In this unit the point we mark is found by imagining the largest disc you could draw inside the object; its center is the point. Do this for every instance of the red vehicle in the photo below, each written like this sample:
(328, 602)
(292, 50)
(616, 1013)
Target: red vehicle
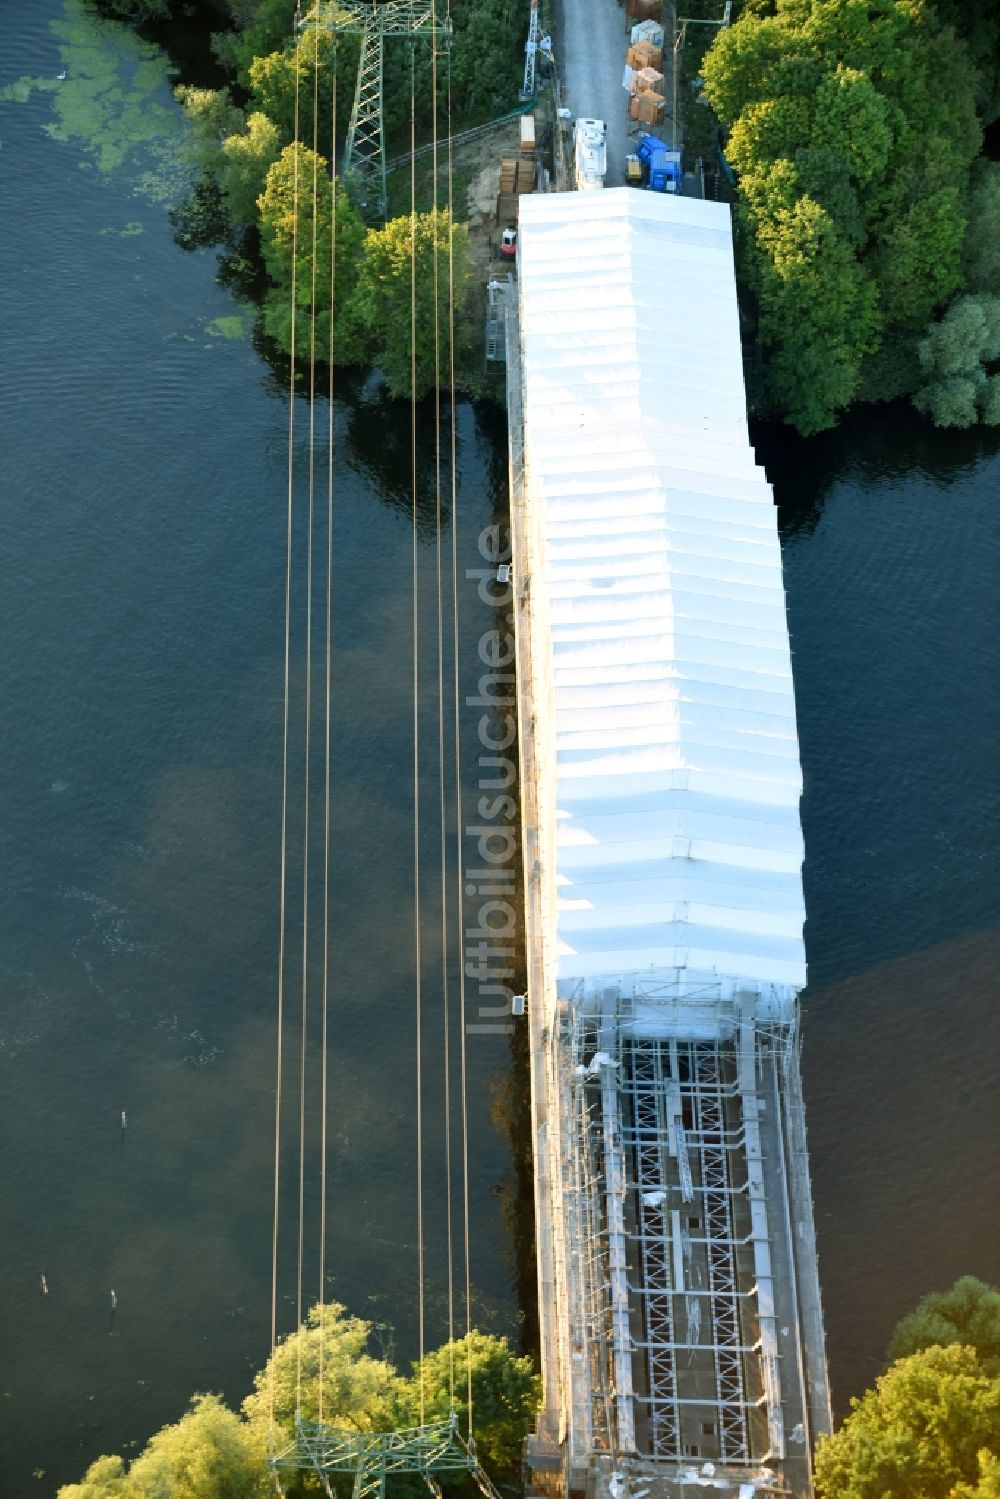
(508, 244)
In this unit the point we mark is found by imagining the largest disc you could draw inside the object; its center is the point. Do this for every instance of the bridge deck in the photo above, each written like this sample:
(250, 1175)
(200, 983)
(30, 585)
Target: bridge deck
(682, 1339)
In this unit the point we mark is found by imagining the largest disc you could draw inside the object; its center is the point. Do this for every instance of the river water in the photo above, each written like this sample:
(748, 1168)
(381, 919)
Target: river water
(143, 522)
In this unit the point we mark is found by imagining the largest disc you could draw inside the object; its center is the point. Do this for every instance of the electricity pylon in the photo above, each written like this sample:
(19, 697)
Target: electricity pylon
(530, 48)
(369, 1457)
(373, 21)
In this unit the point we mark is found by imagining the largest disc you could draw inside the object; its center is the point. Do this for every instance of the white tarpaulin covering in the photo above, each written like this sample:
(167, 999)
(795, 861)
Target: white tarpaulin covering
(657, 585)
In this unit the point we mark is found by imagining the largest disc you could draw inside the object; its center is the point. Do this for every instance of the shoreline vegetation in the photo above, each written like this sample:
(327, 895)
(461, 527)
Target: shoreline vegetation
(866, 218)
(929, 1428)
(329, 1366)
(265, 192)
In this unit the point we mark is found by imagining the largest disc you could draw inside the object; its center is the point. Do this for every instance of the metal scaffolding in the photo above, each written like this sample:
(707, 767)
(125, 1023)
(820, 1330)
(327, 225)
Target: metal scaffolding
(649, 1135)
(708, 1110)
(673, 1325)
(595, 1331)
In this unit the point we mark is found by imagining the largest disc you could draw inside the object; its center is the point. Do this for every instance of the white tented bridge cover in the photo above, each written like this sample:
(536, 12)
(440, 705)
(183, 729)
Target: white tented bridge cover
(661, 644)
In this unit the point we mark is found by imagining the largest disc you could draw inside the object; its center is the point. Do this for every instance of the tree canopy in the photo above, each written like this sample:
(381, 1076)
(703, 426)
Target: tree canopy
(303, 215)
(955, 358)
(401, 303)
(208, 1454)
(930, 1429)
(918, 1434)
(505, 1395)
(356, 1387)
(968, 1313)
(212, 1453)
(269, 178)
(852, 126)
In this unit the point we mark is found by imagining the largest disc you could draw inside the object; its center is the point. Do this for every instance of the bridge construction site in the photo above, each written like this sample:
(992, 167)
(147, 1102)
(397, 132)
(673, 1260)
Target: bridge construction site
(681, 1330)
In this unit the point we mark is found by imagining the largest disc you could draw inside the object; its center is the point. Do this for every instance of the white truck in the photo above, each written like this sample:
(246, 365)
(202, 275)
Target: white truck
(591, 155)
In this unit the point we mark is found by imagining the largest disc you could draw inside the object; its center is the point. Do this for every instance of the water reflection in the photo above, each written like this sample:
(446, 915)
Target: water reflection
(884, 445)
(380, 444)
(901, 1106)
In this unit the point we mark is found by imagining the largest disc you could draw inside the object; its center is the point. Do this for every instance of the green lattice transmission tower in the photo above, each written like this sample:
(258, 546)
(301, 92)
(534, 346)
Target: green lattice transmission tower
(431, 1452)
(373, 21)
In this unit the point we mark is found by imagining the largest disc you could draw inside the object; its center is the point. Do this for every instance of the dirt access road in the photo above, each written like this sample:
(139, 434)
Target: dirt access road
(590, 45)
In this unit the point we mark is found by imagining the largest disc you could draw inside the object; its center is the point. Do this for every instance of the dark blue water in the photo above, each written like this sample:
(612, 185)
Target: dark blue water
(142, 595)
(141, 608)
(891, 534)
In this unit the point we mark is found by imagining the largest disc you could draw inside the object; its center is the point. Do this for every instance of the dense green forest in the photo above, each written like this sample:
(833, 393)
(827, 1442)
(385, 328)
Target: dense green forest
(215, 1453)
(868, 221)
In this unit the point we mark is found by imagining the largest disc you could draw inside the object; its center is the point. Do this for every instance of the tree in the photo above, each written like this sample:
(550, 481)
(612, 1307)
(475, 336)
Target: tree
(988, 1486)
(209, 1454)
(212, 116)
(302, 68)
(818, 316)
(981, 250)
(407, 267)
(968, 1313)
(104, 1479)
(918, 1434)
(958, 389)
(356, 1388)
(269, 27)
(950, 402)
(979, 27)
(245, 159)
(918, 262)
(297, 209)
(506, 1393)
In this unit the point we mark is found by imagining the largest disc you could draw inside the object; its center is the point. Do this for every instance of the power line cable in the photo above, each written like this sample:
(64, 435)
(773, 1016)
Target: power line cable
(307, 787)
(328, 722)
(442, 796)
(416, 733)
(275, 1233)
(459, 851)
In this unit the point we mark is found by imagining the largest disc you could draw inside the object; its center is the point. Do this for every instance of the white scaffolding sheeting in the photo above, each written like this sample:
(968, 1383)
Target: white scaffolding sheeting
(671, 734)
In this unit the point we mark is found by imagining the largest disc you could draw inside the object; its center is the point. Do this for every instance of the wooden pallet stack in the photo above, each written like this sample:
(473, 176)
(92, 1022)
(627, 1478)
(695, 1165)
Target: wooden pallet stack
(517, 176)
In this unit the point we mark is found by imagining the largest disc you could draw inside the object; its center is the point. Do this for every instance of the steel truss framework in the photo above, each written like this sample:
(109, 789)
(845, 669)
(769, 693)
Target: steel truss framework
(649, 1136)
(431, 1452)
(676, 1106)
(708, 1107)
(373, 21)
(682, 1135)
(595, 1332)
(530, 48)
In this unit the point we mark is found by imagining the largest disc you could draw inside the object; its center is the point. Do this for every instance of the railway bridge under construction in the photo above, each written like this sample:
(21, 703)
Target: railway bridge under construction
(681, 1326)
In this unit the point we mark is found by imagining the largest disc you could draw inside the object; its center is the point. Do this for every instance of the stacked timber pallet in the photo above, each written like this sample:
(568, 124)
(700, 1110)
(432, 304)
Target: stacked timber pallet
(646, 103)
(648, 31)
(647, 108)
(517, 176)
(644, 55)
(642, 78)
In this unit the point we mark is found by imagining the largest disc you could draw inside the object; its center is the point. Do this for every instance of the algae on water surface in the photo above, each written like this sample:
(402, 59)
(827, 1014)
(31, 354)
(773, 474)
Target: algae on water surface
(113, 102)
(227, 327)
